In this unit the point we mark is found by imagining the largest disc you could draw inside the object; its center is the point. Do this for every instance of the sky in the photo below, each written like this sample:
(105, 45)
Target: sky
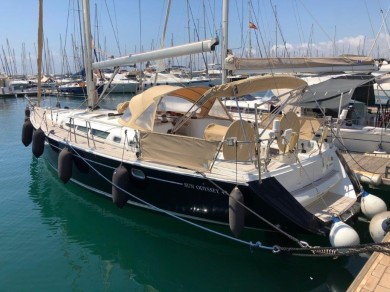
(285, 28)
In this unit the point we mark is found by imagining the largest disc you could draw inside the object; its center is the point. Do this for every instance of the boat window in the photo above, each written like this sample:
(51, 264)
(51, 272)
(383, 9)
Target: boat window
(82, 129)
(126, 114)
(100, 134)
(246, 97)
(117, 139)
(145, 121)
(218, 110)
(69, 125)
(137, 173)
(174, 104)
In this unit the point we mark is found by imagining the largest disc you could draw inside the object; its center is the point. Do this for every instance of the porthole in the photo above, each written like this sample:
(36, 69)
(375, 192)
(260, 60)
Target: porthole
(138, 174)
(117, 139)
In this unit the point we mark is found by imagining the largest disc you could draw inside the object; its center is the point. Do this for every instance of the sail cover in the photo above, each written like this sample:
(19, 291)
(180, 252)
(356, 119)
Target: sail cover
(301, 65)
(337, 91)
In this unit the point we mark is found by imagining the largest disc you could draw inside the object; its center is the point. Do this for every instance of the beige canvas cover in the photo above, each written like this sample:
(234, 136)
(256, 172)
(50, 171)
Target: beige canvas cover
(214, 132)
(141, 104)
(256, 84)
(244, 132)
(175, 150)
(233, 63)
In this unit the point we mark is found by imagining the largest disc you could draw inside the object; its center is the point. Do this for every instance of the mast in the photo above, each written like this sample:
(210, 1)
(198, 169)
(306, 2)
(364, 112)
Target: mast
(189, 33)
(162, 44)
(249, 32)
(91, 90)
(225, 16)
(205, 35)
(81, 30)
(40, 47)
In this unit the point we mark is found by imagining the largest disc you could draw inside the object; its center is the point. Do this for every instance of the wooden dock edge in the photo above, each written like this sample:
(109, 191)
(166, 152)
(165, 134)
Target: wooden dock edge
(375, 274)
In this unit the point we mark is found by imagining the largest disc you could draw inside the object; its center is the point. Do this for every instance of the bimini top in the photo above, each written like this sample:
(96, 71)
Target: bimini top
(255, 84)
(141, 110)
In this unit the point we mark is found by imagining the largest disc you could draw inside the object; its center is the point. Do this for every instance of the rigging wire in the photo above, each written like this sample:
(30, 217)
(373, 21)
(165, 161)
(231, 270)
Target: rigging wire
(298, 22)
(113, 28)
(369, 17)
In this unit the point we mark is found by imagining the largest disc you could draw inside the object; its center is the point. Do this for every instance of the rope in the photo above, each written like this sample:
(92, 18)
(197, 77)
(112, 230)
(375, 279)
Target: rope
(382, 247)
(299, 242)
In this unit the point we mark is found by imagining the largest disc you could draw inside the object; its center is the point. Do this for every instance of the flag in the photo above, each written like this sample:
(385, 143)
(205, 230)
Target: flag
(252, 25)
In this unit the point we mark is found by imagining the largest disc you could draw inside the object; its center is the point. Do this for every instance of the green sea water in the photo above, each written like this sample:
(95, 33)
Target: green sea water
(60, 237)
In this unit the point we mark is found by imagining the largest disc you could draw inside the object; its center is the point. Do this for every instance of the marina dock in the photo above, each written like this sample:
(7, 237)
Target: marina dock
(373, 169)
(375, 275)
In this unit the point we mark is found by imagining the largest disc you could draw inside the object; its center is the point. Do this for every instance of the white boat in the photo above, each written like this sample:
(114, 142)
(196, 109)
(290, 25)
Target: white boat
(163, 78)
(46, 82)
(124, 83)
(18, 84)
(382, 89)
(356, 127)
(250, 103)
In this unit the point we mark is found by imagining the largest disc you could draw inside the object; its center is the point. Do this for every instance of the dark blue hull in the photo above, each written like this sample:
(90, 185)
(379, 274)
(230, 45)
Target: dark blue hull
(191, 196)
(77, 90)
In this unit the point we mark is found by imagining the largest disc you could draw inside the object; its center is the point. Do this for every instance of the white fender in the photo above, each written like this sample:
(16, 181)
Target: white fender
(379, 226)
(372, 205)
(341, 234)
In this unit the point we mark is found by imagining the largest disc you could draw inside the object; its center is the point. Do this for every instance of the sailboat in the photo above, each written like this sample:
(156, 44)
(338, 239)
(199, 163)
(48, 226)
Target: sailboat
(176, 150)
(358, 122)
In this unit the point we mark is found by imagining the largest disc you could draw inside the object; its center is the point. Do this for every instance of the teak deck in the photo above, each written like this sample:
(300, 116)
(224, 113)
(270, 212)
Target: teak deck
(375, 275)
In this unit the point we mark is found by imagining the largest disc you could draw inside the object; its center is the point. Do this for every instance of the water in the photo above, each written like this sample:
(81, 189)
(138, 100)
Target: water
(57, 237)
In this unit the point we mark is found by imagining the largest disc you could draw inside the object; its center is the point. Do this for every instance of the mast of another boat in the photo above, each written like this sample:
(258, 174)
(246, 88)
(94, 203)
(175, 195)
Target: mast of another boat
(162, 44)
(40, 47)
(91, 89)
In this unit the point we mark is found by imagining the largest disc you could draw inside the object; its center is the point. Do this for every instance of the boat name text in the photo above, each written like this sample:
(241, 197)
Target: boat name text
(201, 188)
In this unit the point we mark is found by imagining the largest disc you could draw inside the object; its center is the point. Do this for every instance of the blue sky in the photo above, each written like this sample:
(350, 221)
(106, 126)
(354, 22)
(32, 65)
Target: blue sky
(300, 27)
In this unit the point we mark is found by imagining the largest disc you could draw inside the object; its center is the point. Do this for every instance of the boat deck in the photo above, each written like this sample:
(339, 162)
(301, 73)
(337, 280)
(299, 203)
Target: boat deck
(90, 142)
(375, 275)
(330, 205)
